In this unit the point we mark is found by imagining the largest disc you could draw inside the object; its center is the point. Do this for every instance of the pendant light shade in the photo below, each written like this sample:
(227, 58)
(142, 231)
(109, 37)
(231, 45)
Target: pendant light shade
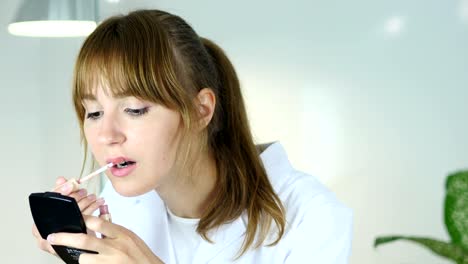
(55, 18)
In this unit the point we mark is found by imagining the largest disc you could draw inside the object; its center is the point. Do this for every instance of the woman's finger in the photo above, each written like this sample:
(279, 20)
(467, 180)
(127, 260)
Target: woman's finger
(102, 226)
(79, 195)
(93, 206)
(60, 180)
(84, 204)
(63, 186)
(77, 240)
(35, 232)
(42, 243)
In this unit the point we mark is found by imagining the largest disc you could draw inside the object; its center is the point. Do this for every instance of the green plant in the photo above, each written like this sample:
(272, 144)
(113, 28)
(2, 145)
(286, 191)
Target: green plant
(456, 222)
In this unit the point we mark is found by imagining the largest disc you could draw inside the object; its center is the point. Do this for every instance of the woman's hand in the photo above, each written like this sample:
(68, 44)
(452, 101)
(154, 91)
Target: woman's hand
(87, 203)
(120, 245)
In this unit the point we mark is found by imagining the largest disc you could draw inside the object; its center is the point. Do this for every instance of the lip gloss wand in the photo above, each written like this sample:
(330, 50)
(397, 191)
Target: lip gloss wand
(76, 183)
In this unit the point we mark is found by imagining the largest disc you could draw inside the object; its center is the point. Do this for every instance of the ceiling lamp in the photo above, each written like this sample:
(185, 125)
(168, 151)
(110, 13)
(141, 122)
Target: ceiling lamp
(55, 18)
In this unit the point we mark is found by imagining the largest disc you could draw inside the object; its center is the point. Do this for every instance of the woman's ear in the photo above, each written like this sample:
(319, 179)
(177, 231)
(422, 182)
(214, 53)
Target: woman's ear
(205, 103)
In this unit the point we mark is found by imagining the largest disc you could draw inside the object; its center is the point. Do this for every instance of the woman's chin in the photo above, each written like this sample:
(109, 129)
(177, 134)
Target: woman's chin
(129, 191)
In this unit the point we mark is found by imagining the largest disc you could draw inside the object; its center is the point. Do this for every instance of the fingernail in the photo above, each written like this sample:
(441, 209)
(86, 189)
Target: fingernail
(50, 238)
(100, 201)
(82, 193)
(66, 187)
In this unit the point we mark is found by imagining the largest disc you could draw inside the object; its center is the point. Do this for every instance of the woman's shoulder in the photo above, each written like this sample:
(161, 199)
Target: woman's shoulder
(318, 225)
(301, 194)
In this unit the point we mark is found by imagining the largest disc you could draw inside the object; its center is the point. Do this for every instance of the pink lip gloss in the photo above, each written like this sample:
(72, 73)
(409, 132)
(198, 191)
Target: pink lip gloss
(104, 214)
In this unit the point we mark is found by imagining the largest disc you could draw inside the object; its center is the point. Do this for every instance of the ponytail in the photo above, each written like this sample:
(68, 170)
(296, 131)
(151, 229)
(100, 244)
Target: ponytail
(243, 184)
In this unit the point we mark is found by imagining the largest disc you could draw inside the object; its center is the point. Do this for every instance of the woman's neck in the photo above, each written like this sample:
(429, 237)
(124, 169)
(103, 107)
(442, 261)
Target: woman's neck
(189, 196)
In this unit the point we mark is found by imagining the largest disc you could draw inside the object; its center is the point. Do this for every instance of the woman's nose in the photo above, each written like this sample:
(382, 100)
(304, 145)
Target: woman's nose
(111, 133)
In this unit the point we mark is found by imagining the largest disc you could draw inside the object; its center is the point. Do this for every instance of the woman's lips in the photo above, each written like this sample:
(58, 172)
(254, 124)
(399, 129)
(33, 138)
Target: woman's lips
(129, 166)
(118, 160)
(122, 172)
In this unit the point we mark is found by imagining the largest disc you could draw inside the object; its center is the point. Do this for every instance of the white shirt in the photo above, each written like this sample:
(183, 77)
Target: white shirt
(185, 239)
(318, 230)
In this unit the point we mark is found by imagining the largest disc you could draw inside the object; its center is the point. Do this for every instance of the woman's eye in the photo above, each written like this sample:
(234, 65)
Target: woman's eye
(94, 115)
(136, 112)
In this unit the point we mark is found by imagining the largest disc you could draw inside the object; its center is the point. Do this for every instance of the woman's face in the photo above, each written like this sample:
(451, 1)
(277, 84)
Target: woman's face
(142, 133)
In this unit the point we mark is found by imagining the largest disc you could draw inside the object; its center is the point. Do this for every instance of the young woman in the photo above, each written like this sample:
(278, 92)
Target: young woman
(190, 186)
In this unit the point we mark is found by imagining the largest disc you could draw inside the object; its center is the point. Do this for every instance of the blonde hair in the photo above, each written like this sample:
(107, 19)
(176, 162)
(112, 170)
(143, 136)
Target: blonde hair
(157, 56)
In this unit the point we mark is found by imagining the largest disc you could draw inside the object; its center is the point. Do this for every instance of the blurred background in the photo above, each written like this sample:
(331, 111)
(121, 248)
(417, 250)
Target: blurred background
(368, 96)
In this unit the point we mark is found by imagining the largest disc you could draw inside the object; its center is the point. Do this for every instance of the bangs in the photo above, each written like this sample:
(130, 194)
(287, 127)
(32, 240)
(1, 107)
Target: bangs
(105, 70)
(116, 59)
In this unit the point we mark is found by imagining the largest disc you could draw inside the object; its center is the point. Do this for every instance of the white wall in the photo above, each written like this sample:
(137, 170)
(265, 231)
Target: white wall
(37, 142)
(377, 116)
(20, 140)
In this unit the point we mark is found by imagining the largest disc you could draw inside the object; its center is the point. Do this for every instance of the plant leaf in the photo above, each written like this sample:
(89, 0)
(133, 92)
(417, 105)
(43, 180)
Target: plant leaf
(456, 208)
(441, 248)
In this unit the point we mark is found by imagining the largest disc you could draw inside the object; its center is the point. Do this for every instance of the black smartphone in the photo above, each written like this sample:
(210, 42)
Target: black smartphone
(53, 213)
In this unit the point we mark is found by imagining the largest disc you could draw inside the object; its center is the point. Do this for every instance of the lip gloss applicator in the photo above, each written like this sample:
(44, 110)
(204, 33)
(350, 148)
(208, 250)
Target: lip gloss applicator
(105, 215)
(76, 183)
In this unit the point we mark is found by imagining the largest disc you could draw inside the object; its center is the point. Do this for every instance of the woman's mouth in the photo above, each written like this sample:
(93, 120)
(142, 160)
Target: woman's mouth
(122, 166)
